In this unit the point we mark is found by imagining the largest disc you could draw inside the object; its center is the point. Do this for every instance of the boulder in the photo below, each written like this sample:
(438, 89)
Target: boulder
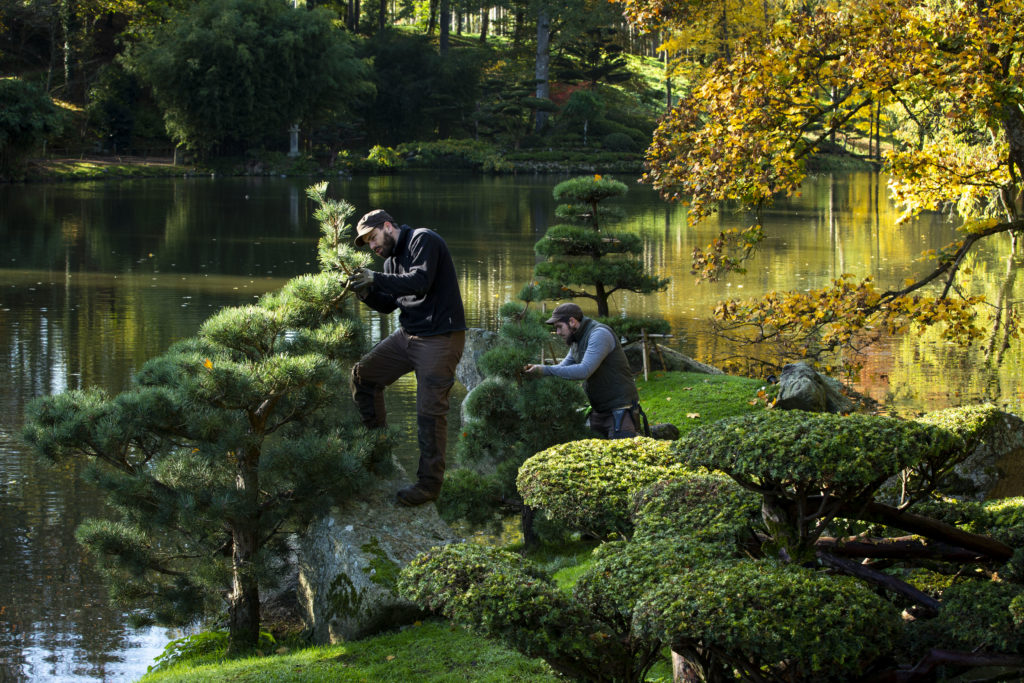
(663, 358)
(478, 342)
(994, 466)
(665, 431)
(349, 562)
(1005, 449)
(802, 388)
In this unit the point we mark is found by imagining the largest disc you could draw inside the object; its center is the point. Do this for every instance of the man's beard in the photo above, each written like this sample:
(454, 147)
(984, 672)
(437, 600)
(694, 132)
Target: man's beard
(387, 245)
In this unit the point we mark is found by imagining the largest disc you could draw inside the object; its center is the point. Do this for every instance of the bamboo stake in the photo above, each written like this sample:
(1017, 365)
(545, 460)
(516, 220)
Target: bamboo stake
(643, 337)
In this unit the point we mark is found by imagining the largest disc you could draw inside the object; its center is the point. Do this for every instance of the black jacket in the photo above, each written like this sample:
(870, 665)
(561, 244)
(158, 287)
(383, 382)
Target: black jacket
(419, 278)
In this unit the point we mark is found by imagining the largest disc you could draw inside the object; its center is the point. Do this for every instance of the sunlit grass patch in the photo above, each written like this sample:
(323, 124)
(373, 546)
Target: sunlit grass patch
(689, 399)
(431, 651)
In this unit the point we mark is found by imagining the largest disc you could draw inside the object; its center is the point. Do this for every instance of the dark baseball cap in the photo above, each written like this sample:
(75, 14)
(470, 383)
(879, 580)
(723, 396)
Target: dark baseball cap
(366, 224)
(563, 312)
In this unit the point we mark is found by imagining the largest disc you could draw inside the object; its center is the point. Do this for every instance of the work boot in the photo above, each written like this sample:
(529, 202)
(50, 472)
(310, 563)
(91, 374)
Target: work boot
(432, 436)
(414, 495)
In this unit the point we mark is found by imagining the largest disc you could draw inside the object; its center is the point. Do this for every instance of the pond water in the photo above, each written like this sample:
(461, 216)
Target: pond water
(96, 278)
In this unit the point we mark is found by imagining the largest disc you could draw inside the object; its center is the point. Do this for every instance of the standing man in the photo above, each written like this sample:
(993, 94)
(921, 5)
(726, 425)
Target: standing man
(419, 279)
(596, 357)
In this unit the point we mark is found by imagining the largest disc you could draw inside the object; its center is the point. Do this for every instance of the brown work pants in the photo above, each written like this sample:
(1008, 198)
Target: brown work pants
(434, 360)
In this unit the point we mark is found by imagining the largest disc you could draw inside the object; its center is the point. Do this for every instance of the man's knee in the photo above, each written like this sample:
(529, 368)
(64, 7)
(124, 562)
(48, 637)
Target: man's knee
(432, 394)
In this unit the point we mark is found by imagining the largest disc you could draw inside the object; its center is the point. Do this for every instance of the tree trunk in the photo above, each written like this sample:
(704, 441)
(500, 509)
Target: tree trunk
(382, 16)
(445, 24)
(602, 299)
(485, 24)
(725, 51)
(682, 671)
(244, 608)
(543, 64)
(432, 20)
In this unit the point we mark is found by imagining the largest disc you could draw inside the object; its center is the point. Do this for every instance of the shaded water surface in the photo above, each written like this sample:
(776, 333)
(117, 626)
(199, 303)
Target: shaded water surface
(96, 278)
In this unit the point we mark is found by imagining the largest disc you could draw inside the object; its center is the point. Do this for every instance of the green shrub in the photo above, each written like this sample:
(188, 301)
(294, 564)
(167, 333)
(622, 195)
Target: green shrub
(705, 508)
(589, 485)
(451, 154)
(767, 619)
(470, 496)
(384, 158)
(619, 142)
(27, 116)
(1001, 518)
(975, 616)
(623, 572)
(798, 451)
(503, 596)
(510, 417)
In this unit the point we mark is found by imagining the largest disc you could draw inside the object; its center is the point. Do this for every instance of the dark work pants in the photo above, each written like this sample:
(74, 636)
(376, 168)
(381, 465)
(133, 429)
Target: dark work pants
(603, 425)
(433, 359)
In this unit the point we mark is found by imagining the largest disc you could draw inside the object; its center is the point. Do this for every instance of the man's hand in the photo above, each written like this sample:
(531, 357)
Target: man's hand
(530, 369)
(361, 279)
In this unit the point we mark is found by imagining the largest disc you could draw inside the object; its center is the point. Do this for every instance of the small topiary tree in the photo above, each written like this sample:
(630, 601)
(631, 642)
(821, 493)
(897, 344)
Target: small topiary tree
(589, 485)
(223, 445)
(508, 420)
(765, 567)
(581, 252)
(764, 620)
(587, 633)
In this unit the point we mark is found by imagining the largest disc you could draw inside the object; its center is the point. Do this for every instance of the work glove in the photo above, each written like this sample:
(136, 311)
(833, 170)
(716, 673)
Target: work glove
(361, 279)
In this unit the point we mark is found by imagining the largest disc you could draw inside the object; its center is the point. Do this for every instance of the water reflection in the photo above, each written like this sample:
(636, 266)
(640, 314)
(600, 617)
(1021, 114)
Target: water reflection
(98, 278)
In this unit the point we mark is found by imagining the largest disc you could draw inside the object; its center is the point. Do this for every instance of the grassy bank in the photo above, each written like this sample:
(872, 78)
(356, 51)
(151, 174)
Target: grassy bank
(486, 160)
(436, 650)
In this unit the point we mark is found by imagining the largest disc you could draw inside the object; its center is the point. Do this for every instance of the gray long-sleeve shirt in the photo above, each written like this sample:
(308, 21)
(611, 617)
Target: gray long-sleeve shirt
(601, 344)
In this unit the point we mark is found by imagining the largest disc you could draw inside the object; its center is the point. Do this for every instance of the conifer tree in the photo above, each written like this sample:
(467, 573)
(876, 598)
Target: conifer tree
(222, 445)
(508, 419)
(582, 253)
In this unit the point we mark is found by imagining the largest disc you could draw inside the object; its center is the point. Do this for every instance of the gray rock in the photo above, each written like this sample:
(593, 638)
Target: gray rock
(995, 466)
(665, 431)
(802, 388)
(349, 563)
(673, 360)
(478, 342)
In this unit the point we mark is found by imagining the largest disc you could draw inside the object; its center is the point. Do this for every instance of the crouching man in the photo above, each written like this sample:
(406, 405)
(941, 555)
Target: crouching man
(596, 357)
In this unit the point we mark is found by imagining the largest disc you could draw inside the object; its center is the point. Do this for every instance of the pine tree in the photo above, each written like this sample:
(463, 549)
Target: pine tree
(509, 418)
(223, 445)
(581, 252)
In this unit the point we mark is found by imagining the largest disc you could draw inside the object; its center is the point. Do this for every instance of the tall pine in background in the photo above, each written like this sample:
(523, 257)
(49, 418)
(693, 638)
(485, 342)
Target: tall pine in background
(223, 445)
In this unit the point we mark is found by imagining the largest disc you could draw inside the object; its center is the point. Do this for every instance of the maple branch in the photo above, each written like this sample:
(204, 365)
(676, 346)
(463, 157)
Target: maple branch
(953, 264)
